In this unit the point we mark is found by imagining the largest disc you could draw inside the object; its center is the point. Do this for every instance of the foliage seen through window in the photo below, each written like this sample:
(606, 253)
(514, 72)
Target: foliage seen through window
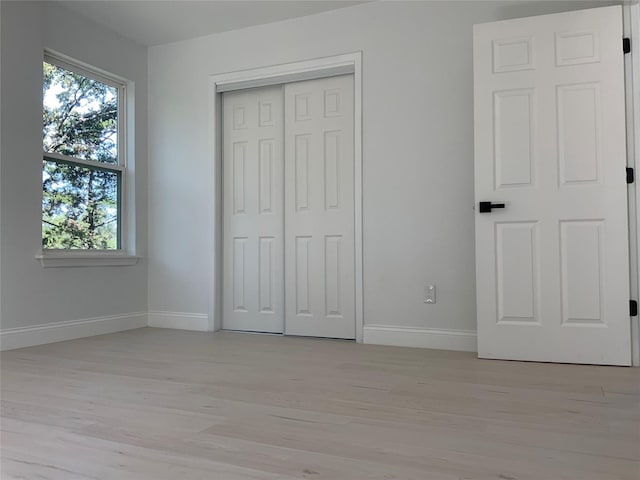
(82, 179)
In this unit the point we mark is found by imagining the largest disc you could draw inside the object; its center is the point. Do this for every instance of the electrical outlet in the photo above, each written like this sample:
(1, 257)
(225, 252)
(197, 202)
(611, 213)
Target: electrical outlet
(430, 294)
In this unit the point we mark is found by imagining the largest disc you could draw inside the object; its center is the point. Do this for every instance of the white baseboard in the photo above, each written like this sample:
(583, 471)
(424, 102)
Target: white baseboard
(58, 332)
(179, 320)
(461, 340)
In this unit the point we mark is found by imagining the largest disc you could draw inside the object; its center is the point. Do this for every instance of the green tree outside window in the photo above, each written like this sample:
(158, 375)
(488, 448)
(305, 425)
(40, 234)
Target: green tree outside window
(81, 170)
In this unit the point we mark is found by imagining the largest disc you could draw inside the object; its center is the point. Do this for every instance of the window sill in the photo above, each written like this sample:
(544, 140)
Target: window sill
(57, 258)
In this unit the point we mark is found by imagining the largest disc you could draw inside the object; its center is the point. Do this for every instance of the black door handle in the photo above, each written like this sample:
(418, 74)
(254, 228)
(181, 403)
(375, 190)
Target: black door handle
(486, 207)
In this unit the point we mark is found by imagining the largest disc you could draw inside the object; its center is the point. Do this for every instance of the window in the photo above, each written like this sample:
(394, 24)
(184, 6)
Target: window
(83, 160)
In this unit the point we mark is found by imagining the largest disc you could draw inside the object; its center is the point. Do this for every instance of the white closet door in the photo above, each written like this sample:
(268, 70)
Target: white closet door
(253, 210)
(552, 264)
(319, 208)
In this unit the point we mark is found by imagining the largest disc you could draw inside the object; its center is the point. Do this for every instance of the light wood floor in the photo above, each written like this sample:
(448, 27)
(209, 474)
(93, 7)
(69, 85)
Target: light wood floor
(161, 404)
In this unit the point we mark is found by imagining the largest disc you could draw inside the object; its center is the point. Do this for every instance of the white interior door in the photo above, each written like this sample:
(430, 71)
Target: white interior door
(253, 210)
(319, 208)
(552, 265)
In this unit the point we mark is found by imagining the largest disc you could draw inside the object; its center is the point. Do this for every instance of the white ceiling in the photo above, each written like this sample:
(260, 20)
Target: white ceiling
(153, 22)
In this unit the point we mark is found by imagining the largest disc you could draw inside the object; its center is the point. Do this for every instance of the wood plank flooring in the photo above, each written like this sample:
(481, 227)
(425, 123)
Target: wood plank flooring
(164, 404)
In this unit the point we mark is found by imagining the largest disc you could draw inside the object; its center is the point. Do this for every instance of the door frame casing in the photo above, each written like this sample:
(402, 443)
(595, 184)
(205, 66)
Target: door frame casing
(215, 153)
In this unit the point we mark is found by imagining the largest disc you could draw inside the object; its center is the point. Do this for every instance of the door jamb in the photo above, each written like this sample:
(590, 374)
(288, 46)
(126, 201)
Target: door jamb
(631, 25)
(215, 153)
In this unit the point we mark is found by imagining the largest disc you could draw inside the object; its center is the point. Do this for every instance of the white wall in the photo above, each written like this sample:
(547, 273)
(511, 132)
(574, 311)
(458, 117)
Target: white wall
(417, 149)
(33, 295)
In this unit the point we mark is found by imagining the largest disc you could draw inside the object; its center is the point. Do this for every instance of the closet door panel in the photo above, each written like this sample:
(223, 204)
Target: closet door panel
(253, 218)
(319, 208)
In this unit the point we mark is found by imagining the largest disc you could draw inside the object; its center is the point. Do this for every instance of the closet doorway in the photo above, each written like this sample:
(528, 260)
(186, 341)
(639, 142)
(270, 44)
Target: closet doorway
(289, 262)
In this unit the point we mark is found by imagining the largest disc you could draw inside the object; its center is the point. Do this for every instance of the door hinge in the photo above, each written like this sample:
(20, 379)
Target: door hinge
(633, 308)
(630, 175)
(626, 45)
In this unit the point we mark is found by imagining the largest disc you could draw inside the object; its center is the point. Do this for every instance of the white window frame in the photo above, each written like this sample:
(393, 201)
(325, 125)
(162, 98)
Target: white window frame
(124, 255)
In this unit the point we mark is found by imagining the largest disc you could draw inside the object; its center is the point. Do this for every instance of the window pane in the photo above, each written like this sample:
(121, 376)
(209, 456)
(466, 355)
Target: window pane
(80, 116)
(80, 207)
